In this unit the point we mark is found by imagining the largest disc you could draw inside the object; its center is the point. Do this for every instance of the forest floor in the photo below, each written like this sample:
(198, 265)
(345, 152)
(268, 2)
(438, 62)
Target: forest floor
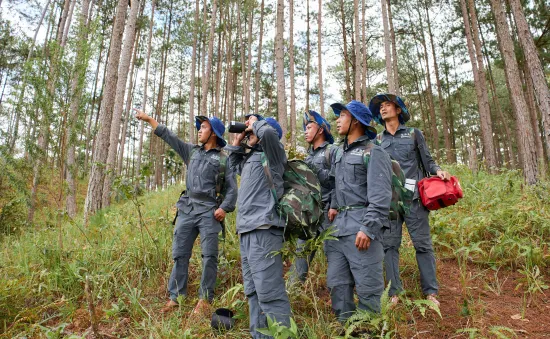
(492, 269)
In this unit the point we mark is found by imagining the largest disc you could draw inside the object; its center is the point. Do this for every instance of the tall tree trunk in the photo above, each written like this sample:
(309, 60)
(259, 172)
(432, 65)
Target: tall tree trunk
(192, 77)
(125, 59)
(308, 57)
(246, 87)
(258, 62)
(292, 92)
(533, 113)
(206, 74)
(472, 37)
(81, 63)
(221, 42)
(364, 53)
(97, 176)
(442, 112)
(387, 47)
(535, 68)
(129, 97)
(319, 57)
(394, 51)
(144, 102)
(526, 139)
(433, 124)
(358, 59)
(280, 66)
(346, 56)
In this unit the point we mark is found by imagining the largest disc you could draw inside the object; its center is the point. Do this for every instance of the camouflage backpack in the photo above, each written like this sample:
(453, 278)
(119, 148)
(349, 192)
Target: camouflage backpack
(401, 197)
(301, 203)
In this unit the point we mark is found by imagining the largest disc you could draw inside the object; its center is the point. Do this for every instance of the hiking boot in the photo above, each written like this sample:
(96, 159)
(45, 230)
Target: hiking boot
(433, 298)
(169, 306)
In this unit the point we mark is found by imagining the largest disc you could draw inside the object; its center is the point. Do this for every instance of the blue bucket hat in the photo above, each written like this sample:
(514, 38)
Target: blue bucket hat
(217, 127)
(256, 115)
(273, 123)
(319, 120)
(359, 112)
(375, 103)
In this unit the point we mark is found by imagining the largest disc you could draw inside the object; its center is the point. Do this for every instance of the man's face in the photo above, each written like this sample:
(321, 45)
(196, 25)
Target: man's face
(312, 129)
(389, 110)
(252, 138)
(343, 122)
(205, 132)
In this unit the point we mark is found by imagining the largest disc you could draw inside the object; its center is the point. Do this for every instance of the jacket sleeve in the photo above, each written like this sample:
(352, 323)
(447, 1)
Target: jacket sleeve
(423, 149)
(271, 145)
(379, 193)
(332, 177)
(181, 147)
(236, 157)
(230, 198)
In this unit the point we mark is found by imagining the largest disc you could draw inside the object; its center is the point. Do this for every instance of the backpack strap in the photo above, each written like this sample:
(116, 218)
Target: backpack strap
(267, 172)
(379, 139)
(220, 177)
(327, 155)
(420, 156)
(366, 154)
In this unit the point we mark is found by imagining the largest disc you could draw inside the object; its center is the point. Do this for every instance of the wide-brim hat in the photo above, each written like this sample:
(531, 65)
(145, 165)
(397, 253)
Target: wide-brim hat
(312, 116)
(222, 319)
(256, 115)
(217, 127)
(359, 112)
(375, 103)
(273, 123)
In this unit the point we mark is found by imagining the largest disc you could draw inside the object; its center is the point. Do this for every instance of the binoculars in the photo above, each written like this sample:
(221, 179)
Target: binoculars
(237, 127)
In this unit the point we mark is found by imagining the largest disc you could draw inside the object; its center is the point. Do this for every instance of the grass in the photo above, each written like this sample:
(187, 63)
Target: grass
(499, 225)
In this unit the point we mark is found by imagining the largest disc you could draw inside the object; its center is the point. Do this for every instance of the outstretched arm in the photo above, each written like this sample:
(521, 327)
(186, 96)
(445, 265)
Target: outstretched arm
(182, 148)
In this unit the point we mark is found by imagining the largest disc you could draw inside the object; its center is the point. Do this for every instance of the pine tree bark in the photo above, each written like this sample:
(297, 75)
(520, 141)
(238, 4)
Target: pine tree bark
(280, 69)
(387, 47)
(346, 55)
(308, 57)
(144, 102)
(476, 59)
(358, 59)
(292, 91)
(206, 74)
(192, 77)
(526, 135)
(429, 93)
(259, 61)
(535, 68)
(77, 85)
(124, 68)
(394, 51)
(246, 88)
(319, 57)
(442, 111)
(93, 200)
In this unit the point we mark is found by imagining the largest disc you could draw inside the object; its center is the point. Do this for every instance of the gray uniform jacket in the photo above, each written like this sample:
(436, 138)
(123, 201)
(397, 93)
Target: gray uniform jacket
(401, 147)
(362, 195)
(202, 170)
(256, 203)
(317, 158)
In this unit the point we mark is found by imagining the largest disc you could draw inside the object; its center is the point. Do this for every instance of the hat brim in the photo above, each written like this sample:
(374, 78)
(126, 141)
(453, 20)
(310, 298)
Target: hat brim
(369, 130)
(198, 121)
(374, 106)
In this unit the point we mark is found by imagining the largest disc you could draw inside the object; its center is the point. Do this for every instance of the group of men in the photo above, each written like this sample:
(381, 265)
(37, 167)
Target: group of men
(356, 198)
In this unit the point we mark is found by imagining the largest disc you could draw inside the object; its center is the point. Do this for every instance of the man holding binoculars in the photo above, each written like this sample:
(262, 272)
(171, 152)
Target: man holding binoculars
(211, 192)
(261, 163)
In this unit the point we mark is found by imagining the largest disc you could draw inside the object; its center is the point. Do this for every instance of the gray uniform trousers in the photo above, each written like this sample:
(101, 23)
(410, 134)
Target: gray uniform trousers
(419, 229)
(188, 227)
(300, 267)
(264, 285)
(349, 267)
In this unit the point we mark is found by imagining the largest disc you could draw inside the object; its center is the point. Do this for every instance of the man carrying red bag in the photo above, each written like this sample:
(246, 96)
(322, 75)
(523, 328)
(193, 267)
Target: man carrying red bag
(407, 146)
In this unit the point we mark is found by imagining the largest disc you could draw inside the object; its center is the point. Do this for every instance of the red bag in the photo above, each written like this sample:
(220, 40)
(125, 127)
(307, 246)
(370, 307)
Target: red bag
(436, 193)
